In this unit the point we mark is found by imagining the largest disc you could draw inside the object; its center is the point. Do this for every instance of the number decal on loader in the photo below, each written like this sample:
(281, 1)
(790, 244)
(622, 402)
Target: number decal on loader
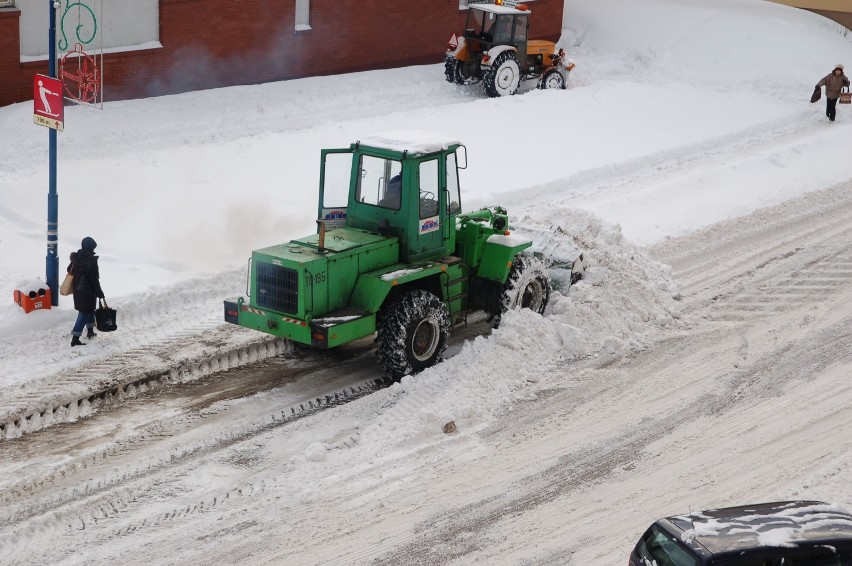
(315, 278)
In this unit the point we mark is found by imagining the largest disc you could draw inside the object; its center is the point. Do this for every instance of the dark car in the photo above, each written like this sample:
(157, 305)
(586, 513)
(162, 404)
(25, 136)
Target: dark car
(791, 533)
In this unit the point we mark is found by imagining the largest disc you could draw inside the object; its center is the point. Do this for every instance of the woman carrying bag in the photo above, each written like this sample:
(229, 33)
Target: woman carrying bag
(833, 83)
(87, 289)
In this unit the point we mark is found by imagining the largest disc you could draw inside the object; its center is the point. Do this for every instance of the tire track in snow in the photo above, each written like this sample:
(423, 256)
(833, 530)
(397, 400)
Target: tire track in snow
(632, 176)
(747, 384)
(765, 377)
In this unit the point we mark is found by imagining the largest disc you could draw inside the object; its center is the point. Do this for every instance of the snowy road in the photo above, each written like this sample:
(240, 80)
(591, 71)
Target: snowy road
(732, 406)
(709, 369)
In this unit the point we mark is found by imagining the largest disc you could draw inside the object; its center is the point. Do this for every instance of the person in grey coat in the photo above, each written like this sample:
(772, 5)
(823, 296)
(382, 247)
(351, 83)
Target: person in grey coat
(87, 289)
(833, 83)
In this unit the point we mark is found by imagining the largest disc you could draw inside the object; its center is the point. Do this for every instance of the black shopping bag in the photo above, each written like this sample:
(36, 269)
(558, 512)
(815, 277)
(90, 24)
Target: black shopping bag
(816, 95)
(105, 317)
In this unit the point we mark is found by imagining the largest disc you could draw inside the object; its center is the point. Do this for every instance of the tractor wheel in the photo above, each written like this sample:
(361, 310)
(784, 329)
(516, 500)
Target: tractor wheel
(504, 76)
(451, 70)
(461, 72)
(527, 287)
(412, 333)
(552, 79)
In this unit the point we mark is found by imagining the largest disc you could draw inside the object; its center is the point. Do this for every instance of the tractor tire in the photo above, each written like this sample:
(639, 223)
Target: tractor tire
(412, 333)
(527, 287)
(504, 76)
(552, 79)
(461, 72)
(451, 70)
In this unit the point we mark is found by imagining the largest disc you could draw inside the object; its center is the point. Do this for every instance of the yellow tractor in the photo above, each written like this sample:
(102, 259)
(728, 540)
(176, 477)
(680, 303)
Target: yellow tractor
(495, 50)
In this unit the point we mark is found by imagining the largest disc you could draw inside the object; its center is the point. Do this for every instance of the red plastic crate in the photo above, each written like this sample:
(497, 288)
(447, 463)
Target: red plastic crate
(30, 304)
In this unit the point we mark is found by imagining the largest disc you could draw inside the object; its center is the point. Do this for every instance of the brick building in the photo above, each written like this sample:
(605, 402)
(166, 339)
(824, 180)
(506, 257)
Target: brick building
(162, 47)
(838, 10)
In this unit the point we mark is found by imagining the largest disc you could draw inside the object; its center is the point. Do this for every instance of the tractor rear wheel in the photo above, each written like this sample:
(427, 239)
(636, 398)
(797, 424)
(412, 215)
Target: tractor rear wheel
(527, 287)
(451, 70)
(462, 72)
(504, 76)
(412, 333)
(552, 79)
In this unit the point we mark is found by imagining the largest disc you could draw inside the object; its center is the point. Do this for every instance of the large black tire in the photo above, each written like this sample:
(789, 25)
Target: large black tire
(527, 287)
(504, 76)
(461, 72)
(552, 79)
(412, 333)
(451, 70)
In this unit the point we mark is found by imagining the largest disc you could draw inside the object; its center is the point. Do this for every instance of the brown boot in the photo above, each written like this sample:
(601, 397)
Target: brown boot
(75, 341)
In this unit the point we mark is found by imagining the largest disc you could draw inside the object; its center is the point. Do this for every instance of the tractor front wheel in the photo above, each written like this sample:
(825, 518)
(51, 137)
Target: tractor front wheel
(504, 76)
(412, 333)
(552, 79)
(527, 287)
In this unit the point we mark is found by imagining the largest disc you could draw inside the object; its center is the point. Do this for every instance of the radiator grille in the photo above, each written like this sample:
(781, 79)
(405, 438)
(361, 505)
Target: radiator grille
(277, 288)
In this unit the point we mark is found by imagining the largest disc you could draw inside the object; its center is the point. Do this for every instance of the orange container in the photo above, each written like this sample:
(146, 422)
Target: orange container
(30, 304)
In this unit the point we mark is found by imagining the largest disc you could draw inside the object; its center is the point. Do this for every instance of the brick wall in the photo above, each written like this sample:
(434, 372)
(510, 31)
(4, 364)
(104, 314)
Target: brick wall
(214, 43)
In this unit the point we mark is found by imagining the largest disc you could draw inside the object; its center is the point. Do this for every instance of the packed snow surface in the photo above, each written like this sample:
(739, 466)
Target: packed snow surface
(678, 116)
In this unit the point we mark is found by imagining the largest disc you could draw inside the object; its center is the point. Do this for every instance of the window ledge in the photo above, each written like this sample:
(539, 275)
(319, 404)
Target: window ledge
(303, 27)
(122, 49)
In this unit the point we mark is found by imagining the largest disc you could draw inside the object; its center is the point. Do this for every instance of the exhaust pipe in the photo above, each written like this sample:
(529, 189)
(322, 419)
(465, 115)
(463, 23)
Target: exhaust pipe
(321, 241)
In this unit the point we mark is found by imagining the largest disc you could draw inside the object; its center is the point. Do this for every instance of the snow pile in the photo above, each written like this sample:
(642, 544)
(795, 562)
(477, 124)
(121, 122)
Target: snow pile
(703, 43)
(624, 301)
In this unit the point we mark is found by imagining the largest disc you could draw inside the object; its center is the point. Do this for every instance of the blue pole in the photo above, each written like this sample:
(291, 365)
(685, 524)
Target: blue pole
(52, 260)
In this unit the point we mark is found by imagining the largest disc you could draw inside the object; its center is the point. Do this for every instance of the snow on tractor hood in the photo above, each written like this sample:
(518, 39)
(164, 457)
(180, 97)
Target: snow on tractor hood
(510, 241)
(413, 141)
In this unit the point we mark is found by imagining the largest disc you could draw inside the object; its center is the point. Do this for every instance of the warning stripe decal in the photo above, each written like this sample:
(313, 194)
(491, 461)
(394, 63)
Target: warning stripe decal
(284, 318)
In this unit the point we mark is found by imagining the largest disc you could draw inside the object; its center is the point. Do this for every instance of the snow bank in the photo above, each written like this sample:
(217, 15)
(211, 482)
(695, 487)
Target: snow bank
(625, 300)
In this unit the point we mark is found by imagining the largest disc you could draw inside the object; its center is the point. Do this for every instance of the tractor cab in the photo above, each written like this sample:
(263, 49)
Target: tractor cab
(489, 25)
(403, 185)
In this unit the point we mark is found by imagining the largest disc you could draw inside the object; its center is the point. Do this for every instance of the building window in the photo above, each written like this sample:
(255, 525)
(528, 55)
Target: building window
(7, 3)
(303, 15)
(100, 26)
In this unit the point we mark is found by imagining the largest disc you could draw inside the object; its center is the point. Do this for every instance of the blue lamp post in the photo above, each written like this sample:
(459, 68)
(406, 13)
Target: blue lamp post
(52, 260)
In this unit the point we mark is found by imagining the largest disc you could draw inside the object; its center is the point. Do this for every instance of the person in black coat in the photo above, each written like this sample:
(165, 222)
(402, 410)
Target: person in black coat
(87, 289)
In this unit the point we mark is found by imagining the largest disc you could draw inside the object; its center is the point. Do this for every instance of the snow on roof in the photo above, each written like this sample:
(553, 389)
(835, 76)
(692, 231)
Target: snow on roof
(497, 9)
(772, 524)
(412, 141)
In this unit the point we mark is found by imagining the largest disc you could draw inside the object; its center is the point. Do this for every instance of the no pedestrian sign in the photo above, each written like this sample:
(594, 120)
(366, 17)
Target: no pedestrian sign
(48, 109)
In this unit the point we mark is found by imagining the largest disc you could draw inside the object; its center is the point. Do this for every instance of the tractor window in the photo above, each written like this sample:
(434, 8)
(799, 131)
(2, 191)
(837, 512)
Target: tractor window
(488, 25)
(337, 167)
(502, 31)
(429, 188)
(520, 28)
(474, 21)
(453, 199)
(380, 182)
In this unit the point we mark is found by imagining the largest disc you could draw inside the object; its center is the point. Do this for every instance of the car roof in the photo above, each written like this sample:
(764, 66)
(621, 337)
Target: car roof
(785, 523)
(493, 8)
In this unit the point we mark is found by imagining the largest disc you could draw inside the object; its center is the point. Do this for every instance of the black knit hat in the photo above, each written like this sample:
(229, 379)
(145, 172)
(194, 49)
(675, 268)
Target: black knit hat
(89, 243)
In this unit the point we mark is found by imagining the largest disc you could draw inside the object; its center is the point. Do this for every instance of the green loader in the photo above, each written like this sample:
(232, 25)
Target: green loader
(393, 256)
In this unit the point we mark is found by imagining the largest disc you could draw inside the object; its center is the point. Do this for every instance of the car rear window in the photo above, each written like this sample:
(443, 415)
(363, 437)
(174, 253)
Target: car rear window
(658, 548)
